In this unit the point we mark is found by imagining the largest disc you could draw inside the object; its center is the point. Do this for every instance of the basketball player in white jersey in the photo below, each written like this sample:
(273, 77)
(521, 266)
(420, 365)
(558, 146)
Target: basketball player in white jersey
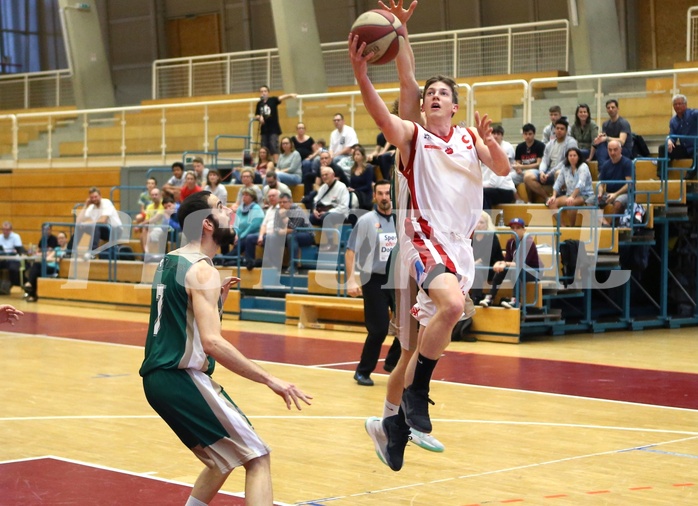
(440, 165)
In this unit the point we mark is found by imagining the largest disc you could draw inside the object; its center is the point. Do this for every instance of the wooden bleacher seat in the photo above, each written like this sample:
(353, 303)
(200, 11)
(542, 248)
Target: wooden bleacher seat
(329, 313)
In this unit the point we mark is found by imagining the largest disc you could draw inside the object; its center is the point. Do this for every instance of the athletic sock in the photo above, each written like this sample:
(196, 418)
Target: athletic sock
(193, 501)
(390, 409)
(422, 373)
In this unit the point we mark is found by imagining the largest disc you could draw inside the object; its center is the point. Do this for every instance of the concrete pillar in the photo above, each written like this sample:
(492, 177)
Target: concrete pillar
(92, 84)
(597, 45)
(298, 41)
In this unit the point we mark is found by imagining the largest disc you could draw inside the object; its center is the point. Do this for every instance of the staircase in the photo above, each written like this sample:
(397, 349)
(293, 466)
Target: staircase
(266, 302)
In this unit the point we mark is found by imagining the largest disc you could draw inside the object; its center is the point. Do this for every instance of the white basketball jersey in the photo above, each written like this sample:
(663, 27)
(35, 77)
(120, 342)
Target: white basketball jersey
(445, 187)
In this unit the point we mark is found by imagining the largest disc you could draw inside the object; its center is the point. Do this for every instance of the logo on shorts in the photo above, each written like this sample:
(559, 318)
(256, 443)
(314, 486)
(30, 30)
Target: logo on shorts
(449, 150)
(414, 311)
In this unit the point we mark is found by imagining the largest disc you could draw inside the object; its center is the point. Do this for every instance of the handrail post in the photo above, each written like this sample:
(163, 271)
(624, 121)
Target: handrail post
(191, 77)
(123, 137)
(85, 125)
(26, 91)
(163, 144)
(206, 127)
(49, 139)
(154, 78)
(509, 50)
(58, 90)
(15, 139)
(455, 54)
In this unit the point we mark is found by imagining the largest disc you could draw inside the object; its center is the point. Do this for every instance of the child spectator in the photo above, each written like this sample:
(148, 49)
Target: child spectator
(501, 268)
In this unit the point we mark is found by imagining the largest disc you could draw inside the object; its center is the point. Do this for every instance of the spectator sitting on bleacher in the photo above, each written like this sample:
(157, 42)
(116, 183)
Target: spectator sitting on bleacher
(258, 238)
(616, 128)
(342, 139)
(361, 179)
(144, 199)
(247, 178)
(575, 181)
(264, 163)
(617, 168)
(502, 267)
(486, 251)
(272, 183)
(584, 130)
(200, 170)
(383, 157)
(685, 122)
(10, 244)
(213, 184)
(553, 160)
(288, 167)
(190, 186)
(528, 156)
(53, 255)
(498, 189)
(332, 198)
(155, 245)
(311, 166)
(93, 217)
(289, 218)
(174, 184)
(151, 211)
(303, 143)
(248, 217)
(555, 113)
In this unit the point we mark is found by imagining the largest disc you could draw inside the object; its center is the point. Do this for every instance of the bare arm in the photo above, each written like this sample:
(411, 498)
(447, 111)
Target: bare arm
(353, 289)
(398, 132)
(204, 287)
(287, 95)
(410, 94)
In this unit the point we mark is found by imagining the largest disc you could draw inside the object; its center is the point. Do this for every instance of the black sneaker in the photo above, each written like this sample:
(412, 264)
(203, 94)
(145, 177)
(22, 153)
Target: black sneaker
(364, 381)
(415, 404)
(398, 436)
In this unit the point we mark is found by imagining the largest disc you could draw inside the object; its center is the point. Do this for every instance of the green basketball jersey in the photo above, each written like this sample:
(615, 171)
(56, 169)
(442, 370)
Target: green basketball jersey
(173, 340)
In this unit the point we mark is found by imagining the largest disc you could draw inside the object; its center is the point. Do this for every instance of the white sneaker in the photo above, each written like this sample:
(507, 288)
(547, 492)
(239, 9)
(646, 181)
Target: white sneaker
(426, 441)
(486, 301)
(374, 428)
(509, 304)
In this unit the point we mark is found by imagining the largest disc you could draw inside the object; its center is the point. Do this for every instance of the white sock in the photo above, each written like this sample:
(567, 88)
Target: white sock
(193, 501)
(390, 409)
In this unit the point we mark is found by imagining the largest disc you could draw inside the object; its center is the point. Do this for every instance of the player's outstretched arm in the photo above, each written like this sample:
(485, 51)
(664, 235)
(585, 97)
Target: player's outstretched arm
(488, 149)
(410, 94)
(204, 287)
(396, 131)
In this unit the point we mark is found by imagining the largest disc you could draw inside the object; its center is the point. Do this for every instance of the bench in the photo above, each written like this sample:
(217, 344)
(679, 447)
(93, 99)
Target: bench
(327, 313)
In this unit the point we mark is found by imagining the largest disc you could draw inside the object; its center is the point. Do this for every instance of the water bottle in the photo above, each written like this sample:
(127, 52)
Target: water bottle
(500, 219)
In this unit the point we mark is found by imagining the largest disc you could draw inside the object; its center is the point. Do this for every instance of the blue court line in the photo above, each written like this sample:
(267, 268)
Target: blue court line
(675, 454)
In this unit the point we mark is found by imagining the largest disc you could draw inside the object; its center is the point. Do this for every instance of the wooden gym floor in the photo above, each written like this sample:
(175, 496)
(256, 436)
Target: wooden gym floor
(606, 419)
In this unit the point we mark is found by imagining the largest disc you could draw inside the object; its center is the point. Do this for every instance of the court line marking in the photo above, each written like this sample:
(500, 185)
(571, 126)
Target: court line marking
(497, 471)
(691, 434)
(322, 368)
(147, 475)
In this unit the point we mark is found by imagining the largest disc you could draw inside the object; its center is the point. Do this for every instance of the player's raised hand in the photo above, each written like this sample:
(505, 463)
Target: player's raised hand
(484, 127)
(359, 60)
(398, 11)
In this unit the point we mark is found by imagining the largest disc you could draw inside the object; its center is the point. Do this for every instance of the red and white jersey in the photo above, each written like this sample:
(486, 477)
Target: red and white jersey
(445, 187)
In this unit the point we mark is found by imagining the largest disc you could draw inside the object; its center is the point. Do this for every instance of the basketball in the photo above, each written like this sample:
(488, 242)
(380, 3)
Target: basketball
(382, 32)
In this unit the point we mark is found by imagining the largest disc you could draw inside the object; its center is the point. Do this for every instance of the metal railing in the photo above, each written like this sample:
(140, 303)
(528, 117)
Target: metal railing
(499, 50)
(692, 34)
(37, 89)
(595, 89)
(152, 132)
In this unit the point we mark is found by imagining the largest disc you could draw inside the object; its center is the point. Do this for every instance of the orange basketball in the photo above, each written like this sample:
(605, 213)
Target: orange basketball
(382, 32)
